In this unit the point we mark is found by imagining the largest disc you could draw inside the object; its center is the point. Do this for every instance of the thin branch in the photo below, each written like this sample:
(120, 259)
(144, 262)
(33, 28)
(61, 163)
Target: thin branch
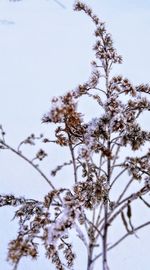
(136, 195)
(99, 170)
(29, 162)
(73, 158)
(124, 191)
(144, 201)
(93, 217)
(115, 139)
(100, 163)
(115, 157)
(60, 4)
(91, 223)
(122, 238)
(98, 89)
(16, 265)
(128, 199)
(81, 235)
(128, 234)
(99, 214)
(105, 228)
(118, 175)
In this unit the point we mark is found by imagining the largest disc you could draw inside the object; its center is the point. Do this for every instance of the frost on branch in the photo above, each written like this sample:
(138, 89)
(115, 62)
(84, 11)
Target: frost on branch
(87, 208)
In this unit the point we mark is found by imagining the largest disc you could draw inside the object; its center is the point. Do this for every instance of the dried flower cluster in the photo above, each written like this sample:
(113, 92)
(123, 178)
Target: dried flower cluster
(86, 206)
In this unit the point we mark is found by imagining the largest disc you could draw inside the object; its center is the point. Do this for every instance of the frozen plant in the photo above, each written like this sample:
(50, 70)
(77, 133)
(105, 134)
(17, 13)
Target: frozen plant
(96, 150)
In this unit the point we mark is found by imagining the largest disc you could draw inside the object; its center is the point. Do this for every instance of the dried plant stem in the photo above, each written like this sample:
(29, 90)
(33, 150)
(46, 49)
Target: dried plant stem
(105, 229)
(96, 229)
(74, 163)
(105, 238)
(16, 265)
(73, 157)
(29, 162)
(128, 199)
(60, 4)
(124, 191)
(100, 163)
(136, 195)
(90, 253)
(111, 215)
(118, 175)
(128, 234)
(122, 238)
(131, 198)
(99, 215)
(115, 157)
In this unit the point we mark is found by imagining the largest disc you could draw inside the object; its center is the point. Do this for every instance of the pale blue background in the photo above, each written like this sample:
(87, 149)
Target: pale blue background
(45, 51)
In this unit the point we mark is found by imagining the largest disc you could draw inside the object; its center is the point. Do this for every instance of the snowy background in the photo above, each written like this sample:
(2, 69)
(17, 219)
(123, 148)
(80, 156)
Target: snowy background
(46, 50)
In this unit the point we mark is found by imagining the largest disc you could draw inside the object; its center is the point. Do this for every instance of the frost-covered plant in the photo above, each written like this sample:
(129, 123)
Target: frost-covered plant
(96, 147)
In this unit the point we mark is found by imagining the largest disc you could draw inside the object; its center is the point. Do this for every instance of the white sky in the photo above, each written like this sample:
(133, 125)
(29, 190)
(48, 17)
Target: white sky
(45, 52)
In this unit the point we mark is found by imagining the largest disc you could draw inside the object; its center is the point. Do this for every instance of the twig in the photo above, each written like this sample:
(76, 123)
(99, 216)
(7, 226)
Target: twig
(99, 89)
(72, 155)
(60, 4)
(128, 199)
(91, 223)
(122, 238)
(136, 195)
(118, 175)
(115, 158)
(124, 191)
(29, 162)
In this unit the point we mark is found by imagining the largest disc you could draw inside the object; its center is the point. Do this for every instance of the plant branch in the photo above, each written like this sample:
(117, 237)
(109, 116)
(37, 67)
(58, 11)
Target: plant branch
(29, 162)
(117, 176)
(124, 191)
(122, 238)
(128, 199)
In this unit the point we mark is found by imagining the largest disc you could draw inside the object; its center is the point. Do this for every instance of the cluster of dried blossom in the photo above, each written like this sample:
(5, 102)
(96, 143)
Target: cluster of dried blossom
(86, 207)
